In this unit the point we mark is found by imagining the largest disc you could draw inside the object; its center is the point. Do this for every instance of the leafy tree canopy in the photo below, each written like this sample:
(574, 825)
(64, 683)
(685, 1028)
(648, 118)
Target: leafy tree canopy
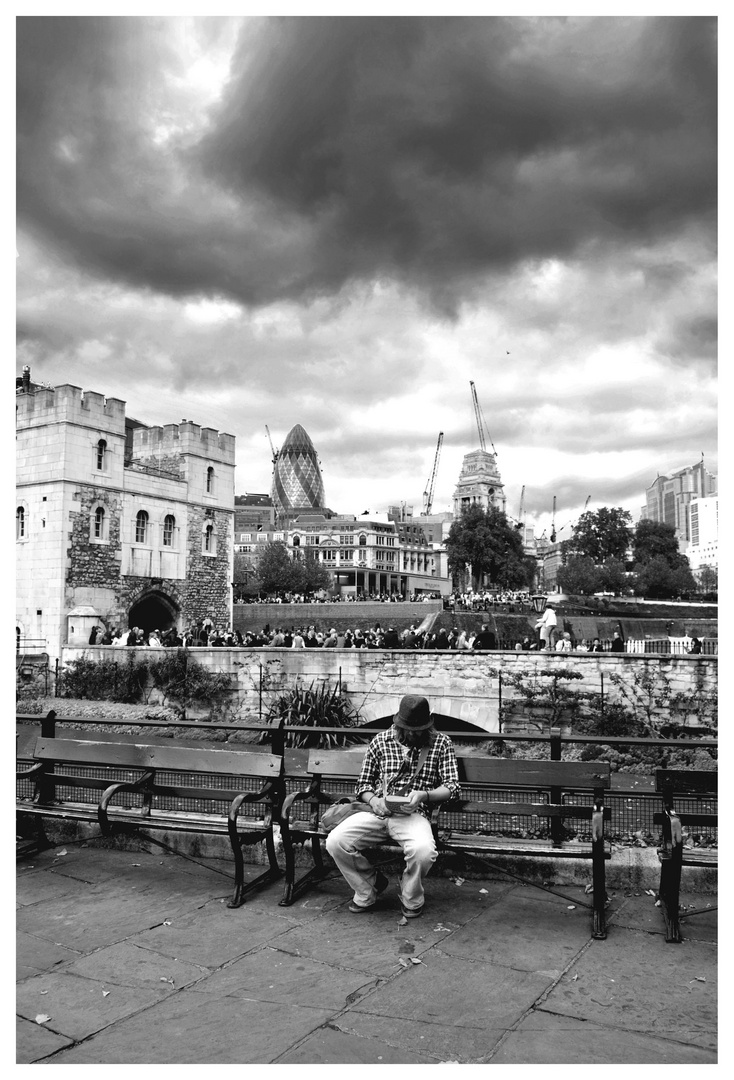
(659, 580)
(655, 539)
(579, 575)
(601, 534)
(484, 540)
(277, 572)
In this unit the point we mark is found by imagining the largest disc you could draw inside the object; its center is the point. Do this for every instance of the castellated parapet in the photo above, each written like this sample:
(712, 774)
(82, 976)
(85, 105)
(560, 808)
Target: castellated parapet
(170, 440)
(70, 404)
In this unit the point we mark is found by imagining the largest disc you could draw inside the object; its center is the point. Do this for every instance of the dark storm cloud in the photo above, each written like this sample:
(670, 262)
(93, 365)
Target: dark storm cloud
(430, 151)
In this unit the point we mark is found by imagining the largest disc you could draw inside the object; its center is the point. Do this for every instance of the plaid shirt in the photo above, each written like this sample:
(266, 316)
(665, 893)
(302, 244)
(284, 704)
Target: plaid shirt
(385, 756)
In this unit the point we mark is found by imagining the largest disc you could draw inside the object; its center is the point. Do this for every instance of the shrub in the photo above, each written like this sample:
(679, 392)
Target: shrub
(311, 707)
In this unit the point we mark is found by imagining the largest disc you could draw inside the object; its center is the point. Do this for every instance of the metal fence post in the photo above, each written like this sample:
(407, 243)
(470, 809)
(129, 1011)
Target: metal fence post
(56, 677)
(601, 676)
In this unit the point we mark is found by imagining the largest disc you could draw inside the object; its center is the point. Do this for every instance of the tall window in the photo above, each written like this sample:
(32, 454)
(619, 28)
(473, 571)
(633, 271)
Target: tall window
(169, 524)
(20, 523)
(141, 527)
(99, 523)
(209, 539)
(101, 451)
(210, 479)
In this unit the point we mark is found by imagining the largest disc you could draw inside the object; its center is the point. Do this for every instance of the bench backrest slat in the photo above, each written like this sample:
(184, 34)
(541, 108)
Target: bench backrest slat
(336, 762)
(541, 774)
(148, 756)
(686, 781)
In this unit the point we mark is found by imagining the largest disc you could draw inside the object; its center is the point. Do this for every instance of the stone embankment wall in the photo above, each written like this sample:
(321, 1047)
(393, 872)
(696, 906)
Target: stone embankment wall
(463, 686)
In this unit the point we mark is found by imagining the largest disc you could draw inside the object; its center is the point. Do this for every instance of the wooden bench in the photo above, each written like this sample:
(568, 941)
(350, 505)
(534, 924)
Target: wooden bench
(675, 786)
(146, 786)
(552, 791)
(497, 793)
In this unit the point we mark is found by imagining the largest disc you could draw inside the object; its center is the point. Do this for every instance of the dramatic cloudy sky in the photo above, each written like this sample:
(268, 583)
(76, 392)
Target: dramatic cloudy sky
(340, 222)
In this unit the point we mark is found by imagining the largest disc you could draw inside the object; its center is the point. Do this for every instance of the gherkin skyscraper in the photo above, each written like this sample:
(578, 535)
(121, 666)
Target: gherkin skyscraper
(297, 481)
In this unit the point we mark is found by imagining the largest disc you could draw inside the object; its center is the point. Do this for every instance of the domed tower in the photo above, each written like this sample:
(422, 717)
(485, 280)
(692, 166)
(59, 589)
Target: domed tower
(297, 481)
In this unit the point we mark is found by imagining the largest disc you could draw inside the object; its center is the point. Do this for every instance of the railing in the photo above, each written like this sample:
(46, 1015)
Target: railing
(31, 645)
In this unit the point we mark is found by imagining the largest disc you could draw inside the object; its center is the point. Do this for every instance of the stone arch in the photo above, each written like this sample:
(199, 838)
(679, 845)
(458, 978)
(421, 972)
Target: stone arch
(154, 610)
(483, 715)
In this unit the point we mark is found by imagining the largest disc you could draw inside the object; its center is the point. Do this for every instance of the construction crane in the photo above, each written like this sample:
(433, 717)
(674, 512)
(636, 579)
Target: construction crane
(520, 525)
(553, 523)
(272, 448)
(428, 493)
(481, 422)
(573, 522)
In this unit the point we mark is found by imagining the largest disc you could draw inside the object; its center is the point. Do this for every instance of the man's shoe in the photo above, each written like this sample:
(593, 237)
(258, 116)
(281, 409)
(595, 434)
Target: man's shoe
(358, 909)
(412, 913)
(381, 883)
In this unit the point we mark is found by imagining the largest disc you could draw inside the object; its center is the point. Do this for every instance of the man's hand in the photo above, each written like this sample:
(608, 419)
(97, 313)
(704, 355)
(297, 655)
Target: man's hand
(378, 808)
(414, 800)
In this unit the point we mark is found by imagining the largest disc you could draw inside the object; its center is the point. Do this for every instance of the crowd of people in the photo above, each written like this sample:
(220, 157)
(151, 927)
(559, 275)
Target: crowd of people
(345, 598)
(206, 634)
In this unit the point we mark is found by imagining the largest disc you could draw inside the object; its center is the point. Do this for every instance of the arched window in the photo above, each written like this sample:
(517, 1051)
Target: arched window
(296, 541)
(101, 453)
(99, 523)
(210, 479)
(209, 539)
(141, 527)
(362, 540)
(20, 523)
(169, 524)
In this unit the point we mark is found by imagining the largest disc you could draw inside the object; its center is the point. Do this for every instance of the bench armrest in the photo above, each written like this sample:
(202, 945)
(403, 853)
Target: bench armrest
(250, 796)
(299, 796)
(33, 770)
(112, 790)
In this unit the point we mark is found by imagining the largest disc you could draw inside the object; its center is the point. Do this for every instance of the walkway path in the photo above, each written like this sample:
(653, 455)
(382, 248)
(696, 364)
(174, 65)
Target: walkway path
(133, 957)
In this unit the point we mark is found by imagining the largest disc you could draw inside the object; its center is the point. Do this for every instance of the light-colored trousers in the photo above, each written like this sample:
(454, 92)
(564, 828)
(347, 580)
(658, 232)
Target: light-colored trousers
(411, 831)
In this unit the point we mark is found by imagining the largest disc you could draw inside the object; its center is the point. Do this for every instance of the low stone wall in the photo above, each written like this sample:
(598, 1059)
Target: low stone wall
(346, 615)
(464, 686)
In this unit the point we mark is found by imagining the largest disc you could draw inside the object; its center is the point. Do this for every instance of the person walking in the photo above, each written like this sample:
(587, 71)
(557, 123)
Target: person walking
(413, 753)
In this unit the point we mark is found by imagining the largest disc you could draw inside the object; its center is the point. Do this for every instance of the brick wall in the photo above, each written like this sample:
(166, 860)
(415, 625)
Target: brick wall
(208, 582)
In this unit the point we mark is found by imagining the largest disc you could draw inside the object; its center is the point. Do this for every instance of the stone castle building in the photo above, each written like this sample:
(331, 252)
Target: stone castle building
(117, 524)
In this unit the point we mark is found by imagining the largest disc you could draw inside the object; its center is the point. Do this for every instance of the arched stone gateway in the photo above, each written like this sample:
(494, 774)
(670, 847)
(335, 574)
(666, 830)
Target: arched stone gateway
(450, 713)
(154, 611)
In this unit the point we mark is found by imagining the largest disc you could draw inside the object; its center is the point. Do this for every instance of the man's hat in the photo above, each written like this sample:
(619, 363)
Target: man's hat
(414, 713)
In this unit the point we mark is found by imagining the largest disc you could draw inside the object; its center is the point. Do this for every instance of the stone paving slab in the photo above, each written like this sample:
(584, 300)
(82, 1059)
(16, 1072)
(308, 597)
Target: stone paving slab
(34, 1042)
(640, 983)
(331, 1046)
(638, 912)
(371, 943)
(271, 975)
(194, 1028)
(545, 1039)
(531, 933)
(34, 955)
(457, 991)
(99, 916)
(79, 1007)
(214, 934)
(439, 1041)
(126, 964)
(35, 885)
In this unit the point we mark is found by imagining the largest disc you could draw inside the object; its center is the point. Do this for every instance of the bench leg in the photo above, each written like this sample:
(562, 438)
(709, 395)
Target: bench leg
(271, 874)
(293, 889)
(33, 843)
(671, 866)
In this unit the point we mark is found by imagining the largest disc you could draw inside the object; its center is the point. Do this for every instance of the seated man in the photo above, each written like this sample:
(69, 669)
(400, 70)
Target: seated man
(411, 752)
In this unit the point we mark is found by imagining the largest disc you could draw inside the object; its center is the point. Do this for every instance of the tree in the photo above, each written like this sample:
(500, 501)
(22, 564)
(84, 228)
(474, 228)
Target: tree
(601, 534)
(315, 576)
(655, 539)
(276, 571)
(579, 574)
(708, 581)
(659, 580)
(613, 577)
(484, 540)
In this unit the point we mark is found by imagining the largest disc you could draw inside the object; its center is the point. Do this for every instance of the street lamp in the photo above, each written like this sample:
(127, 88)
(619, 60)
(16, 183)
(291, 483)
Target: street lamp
(539, 603)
